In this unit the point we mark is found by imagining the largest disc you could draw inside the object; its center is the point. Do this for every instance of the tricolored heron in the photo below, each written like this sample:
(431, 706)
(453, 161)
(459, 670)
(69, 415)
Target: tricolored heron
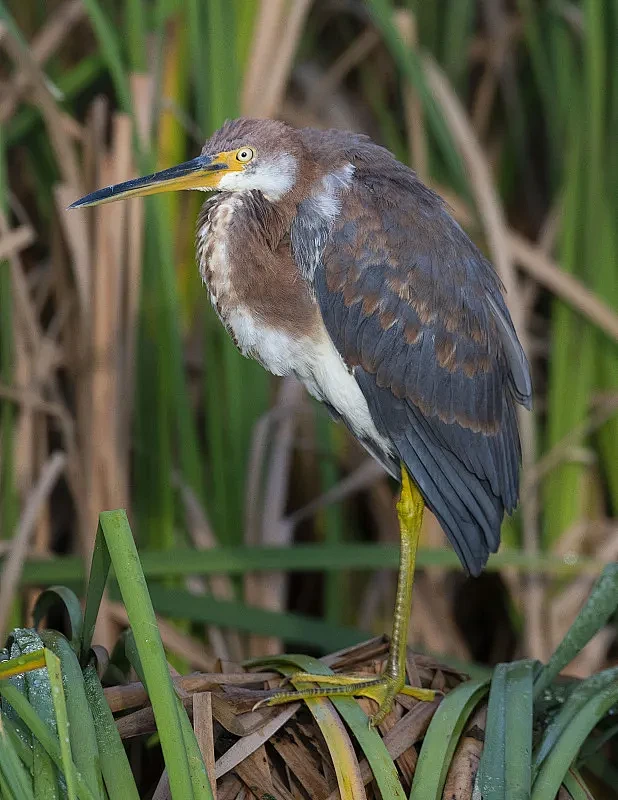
(328, 259)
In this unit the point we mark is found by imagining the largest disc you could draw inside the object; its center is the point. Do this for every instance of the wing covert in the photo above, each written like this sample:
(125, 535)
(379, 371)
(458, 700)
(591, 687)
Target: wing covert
(418, 314)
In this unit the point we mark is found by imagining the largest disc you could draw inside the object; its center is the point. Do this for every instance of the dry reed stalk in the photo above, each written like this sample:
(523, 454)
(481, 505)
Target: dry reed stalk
(63, 149)
(266, 33)
(203, 725)
(277, 34)
(11, 570)
(413, 108)
(269, 590)
(42, 48)
(225, 645)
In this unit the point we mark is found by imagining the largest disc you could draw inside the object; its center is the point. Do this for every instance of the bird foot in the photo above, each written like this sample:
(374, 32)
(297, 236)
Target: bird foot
(383, 689)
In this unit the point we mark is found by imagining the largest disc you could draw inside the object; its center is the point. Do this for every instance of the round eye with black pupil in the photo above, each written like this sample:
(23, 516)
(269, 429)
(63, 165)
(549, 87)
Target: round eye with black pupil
(245, 154)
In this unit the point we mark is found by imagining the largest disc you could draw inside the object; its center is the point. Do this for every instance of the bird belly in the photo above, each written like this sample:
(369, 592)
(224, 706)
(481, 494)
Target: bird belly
(315, 361)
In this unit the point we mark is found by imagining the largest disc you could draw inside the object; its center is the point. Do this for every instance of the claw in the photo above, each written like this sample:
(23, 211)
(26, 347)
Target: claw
(382, 690)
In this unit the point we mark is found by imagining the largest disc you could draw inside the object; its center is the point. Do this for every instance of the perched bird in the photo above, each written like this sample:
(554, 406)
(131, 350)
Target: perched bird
(328, 259)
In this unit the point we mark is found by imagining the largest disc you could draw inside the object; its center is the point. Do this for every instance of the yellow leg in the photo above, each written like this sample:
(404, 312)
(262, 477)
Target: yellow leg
(384, 688)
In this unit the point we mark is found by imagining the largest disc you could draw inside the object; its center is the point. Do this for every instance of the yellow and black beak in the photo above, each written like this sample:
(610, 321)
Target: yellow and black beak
(203, 172)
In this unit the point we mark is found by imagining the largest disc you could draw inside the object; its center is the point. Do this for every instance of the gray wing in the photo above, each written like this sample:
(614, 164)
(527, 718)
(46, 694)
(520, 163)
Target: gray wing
(418, 314)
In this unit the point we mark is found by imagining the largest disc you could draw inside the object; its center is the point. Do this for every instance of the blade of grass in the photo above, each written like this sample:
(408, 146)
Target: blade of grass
(301, 558)
(458, 21)
(115, 766)
(43, 733)
(135, 27)
(578, 697)
(491, 773)
(409, 64)
(38, 689)
(84, 749)
(12, 768)
(22, 664)
(69, 602)
(57, 690)
(563, 753)
(8, 496)
(598, 608)
(99, 571)
(114, 527)
(442, 737)
(518, 738)
(197, 768)
(564, 492)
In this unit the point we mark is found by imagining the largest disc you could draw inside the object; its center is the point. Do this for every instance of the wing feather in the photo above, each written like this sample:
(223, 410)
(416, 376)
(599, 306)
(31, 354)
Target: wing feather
(418, 314)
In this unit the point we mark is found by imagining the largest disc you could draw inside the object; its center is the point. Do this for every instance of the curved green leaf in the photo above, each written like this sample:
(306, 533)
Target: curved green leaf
(576, 700)
(505, 767)
(557, 763)
(38, 690)
(442, 737)
(115, 766)
(598, 608)
(190, 748)
(115, 544)
(84, 748)
(62, 721)
(12, 768)
(42, 731)
(60, 595)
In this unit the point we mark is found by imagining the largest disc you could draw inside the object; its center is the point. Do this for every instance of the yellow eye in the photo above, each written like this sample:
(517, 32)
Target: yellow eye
(245, 154)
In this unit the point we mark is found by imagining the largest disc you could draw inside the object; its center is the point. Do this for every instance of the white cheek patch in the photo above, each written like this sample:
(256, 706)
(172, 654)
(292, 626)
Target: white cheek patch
(273, 178)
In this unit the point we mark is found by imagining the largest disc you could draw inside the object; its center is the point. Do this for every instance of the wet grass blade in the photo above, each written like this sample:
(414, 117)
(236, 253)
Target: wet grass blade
(84, 749)
(197, 769)
(518, 739)
(505, 766)
(69, 602)
(115, 766)
(442, 738)
(597, 609)
(12, 769)
(62, 722)
(233, 560)
(22, 664)
(369, 739)
(578, 697)
(564, 752)
(114, 529)
(30, 719)
(38, 690)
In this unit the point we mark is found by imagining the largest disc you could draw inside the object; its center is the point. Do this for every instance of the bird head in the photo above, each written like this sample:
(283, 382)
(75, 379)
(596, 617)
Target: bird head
(244, 155)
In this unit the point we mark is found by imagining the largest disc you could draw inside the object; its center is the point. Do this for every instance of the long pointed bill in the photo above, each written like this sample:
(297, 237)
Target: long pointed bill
(202, 172)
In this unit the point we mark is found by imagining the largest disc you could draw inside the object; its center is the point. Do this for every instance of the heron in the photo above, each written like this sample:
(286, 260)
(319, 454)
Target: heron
(328, 259)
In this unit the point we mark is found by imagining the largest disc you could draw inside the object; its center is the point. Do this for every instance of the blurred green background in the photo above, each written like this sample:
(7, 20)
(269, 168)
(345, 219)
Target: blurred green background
(261, 524)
